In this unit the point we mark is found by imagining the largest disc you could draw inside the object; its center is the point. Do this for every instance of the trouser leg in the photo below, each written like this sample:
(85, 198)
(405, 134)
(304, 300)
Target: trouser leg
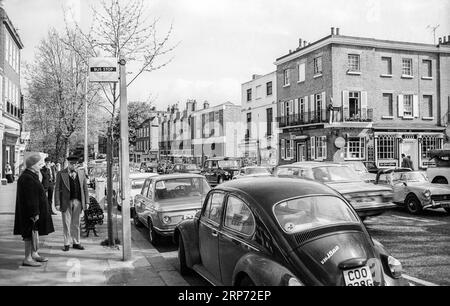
(50, 198)
(67, 219)
(75, 224)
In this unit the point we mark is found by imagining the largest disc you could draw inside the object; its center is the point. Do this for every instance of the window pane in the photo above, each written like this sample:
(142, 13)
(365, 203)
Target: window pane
(353, 62)
(407, 66)
(239, 217)
(388, 103)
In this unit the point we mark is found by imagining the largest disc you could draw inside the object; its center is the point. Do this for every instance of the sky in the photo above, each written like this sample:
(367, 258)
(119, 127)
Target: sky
(222, 43)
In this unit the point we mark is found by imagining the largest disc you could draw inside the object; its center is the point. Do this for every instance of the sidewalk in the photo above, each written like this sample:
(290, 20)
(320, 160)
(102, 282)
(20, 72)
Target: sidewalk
(95, 266)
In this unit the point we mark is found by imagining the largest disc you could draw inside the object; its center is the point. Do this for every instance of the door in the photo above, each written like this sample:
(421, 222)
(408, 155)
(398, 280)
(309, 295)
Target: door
(411, 148)
(235, 238)
(209, 226)
(141, 199)
(301, 152)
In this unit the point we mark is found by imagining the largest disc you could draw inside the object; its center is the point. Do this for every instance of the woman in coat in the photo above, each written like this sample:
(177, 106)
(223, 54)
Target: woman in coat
(32, 216)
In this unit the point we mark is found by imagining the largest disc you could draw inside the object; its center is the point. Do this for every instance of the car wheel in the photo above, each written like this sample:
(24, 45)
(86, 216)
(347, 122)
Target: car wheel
(440, 180)
(184, 270)
(153, 236)
(221, 180)
(246, 282)
(136, 221)
(413, 205)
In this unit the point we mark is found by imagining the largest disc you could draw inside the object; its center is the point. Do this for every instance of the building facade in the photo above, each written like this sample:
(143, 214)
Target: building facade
(147, 140)
(258, 116)
(11, 100)
(197, 133)
(351, 98)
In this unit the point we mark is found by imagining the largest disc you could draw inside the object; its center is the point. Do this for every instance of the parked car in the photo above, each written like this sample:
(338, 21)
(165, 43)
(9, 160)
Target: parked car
(137, 182)
(220, 169)
(414, 191)
(185, 168)
(253, 171)
(282, 232)
(166, 200)
(440, 172)
(361, 169)
(368, 199)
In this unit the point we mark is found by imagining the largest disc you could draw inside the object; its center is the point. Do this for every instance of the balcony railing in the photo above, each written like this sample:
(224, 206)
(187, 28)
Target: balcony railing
(323, 116)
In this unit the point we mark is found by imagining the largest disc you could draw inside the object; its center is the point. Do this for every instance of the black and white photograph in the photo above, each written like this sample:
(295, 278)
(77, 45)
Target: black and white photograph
(195, 144)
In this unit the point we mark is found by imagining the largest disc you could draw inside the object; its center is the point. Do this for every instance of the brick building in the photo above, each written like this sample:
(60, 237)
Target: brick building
(352, 98)
(11, 101)
(147, 140)
(196, 133)
(258, 115)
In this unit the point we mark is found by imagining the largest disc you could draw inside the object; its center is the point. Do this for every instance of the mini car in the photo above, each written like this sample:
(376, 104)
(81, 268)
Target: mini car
(368, 199)
(282, 232)
(414, 191)
(166, 200)
(220, 169)
(439, 173)
(253, 171)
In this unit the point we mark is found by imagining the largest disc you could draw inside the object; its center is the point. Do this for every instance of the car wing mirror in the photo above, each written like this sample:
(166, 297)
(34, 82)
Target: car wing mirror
(197, 215)
(405, 184)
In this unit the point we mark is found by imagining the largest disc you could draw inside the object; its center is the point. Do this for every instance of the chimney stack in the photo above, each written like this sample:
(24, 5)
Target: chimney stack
(304, 43)
(300, 43)
(337, 31)
(332, 31)
(448, 40)
(440, 40)
(205, 105)
(444, 39)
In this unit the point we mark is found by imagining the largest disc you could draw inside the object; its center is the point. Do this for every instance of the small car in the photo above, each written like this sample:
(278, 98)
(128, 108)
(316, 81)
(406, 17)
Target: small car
(273, 231)
(368, 199)
(220, 169)
(414, 191)
(439, 173)
(253, 171)
(166, 200)
(136, 181)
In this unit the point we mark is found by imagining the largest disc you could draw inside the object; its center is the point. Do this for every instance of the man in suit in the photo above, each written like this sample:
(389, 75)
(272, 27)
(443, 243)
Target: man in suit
(71, 198)
(48, 181)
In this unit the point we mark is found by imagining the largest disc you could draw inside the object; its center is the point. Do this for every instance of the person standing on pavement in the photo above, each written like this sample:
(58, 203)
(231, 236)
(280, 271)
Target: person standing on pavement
(405, 161)
(9, 173)
(71, 198)
(410, 162)
(48, 181)
(32, 216)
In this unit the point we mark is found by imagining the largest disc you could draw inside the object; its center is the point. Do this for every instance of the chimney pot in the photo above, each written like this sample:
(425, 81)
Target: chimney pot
(440, 40)
(300, 42)
(448, 40)
(304, 43)
(337, 31)
(332, 31)
(444, 39)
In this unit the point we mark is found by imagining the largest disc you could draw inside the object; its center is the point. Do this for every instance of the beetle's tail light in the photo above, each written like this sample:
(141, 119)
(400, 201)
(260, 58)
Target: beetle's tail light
(395, 267)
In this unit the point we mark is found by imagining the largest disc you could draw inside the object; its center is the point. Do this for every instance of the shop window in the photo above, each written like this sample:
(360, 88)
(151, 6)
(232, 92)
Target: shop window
(386, 147)
(429, 143)
(355, 148)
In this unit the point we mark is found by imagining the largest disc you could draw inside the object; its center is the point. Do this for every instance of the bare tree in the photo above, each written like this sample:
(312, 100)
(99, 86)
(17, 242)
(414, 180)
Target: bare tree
(121, 29)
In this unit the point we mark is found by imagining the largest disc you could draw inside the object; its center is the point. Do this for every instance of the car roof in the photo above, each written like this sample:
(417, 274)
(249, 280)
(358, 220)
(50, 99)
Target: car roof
(391, 170)
(178, 176)
(267, 191)
(223, 158)
(312, 165)
(142, 175)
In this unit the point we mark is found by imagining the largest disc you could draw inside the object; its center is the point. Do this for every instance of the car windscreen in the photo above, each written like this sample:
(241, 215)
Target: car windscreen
(293, 171)
(257, 171)
(181, 188)
(228, 163)
(412, 177)
(358, 167)
(191, 167)
(306, 213)
(335, 174)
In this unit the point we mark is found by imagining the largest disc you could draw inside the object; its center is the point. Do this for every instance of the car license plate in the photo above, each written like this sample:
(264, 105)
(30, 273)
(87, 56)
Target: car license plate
(358, 277)
(445, 204)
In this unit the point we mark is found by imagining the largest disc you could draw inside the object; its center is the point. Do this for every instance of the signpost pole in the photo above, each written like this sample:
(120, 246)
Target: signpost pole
(86, 157)
(125, 166)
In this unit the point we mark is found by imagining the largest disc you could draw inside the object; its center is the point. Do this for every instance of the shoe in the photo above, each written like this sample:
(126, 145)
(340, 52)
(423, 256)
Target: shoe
(27, 263)
(54, 214)
(40, 259)
(78, 247)
(66, 248)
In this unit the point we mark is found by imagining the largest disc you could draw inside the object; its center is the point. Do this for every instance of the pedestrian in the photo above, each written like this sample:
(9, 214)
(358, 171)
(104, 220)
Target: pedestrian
(410, 162)
(71, 198)
(58, 167)
(32, 216)
(405, 161)
(48, 181)
(9, 173)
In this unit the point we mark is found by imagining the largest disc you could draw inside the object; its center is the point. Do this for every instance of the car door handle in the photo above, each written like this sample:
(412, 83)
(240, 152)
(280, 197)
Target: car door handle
(214, 233)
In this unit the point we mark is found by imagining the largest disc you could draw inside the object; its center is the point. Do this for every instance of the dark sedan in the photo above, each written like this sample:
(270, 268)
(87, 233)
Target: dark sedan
(282, 232)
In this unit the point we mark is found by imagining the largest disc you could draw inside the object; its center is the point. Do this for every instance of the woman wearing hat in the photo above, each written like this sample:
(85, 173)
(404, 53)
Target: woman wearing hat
(32, 217)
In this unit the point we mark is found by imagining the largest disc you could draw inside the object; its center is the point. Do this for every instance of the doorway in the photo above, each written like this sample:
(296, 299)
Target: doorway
(411, 147)
(301, 152)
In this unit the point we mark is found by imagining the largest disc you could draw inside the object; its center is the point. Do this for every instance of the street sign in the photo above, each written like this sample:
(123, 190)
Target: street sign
(339, 142)
(103, 70)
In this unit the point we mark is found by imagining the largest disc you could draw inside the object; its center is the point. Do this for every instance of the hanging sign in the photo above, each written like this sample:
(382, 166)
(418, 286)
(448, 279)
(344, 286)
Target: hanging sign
(103, 70)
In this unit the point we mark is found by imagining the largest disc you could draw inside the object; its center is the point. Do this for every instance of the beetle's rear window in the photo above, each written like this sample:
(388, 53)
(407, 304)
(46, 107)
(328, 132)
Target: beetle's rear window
(307, 213)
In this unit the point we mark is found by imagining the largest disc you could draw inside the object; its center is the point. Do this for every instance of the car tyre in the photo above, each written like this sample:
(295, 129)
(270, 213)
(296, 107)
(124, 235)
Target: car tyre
(246, 282)
(413, 205)
(184, 270)
(153, 236)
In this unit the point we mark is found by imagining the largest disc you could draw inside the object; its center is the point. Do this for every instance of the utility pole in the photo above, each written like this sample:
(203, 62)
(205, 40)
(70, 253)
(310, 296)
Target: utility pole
(86, 154)
(433, 29)
(125, 165)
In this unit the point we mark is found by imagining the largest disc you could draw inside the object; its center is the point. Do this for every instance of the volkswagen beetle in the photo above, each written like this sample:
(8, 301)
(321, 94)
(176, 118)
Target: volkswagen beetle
(282, 232)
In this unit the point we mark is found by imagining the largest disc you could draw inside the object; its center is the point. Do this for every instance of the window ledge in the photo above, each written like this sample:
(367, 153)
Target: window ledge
(387, 117)
(299, 82)
(405, 76)
(427, 78)
(354, 72)
(408, 118)
(386, 75)
(287, 85)
(318, 75)
(427, 118)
